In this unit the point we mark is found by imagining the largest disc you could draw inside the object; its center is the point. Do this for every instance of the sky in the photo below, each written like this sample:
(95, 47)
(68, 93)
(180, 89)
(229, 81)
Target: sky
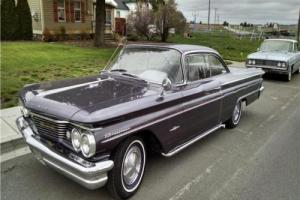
(237, 11)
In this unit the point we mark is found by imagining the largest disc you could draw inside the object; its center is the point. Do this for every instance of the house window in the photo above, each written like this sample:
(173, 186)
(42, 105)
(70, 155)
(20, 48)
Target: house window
(61, 10)
(118, 13)
(108, 16)
(77, 11)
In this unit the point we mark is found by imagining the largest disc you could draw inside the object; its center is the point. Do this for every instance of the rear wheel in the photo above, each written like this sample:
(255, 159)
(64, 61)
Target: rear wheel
(129, 159)
(298, 71)
(236, 116)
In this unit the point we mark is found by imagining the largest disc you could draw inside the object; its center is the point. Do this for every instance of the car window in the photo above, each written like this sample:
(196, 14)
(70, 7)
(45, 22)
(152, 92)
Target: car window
(151, 64)
(216, 67)
(296, 47)
(197, 67)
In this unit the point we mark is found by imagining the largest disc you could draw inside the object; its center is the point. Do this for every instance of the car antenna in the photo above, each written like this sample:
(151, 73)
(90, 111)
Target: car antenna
(121, 43)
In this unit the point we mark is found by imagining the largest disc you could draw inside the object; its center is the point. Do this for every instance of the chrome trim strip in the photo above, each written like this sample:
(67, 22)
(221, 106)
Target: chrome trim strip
(266, 66)
(227, 83)
(90, 177)
(49, 92)
(192, 141)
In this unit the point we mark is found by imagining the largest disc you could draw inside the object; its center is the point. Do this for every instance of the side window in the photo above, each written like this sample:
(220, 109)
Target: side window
(216, 67)
(197, 67)
(296, 47)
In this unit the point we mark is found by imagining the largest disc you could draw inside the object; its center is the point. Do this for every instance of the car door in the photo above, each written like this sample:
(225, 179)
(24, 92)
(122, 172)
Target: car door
(202, 96)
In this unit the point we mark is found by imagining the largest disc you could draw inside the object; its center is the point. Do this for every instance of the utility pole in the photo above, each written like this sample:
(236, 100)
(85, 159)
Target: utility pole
(215, 16)
(208, 25)
(298, 30)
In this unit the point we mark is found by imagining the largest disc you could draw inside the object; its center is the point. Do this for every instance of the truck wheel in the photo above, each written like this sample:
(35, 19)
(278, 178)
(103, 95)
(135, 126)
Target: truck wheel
(129, 164)
(236, 116)
(289, 76)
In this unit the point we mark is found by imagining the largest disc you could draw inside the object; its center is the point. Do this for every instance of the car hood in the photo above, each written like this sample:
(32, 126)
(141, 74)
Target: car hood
(276, 56)
(82, 99)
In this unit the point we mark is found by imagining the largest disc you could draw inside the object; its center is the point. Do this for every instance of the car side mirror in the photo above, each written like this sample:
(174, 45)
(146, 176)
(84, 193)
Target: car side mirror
(166, 86)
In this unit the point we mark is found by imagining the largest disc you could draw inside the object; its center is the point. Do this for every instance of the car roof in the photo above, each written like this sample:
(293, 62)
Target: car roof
(183, 48)
(287, 40)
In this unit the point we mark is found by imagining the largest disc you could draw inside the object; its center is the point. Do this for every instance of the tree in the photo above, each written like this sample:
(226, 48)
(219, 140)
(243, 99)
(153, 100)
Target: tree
(100, 23)
(156, 3)
(141, 19)
(167, 16)
(225, 23)
(9, 21)
(24, 29)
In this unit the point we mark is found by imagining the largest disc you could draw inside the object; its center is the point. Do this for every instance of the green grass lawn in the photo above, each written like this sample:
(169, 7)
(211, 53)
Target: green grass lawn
(31, 62)
(229, 46)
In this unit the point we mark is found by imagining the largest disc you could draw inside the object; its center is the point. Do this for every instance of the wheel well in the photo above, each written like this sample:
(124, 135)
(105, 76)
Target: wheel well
(244, 100)
(152, 143)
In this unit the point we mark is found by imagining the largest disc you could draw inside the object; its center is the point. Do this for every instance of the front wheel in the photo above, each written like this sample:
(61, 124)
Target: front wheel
(289, 76)
(126, 176)
(236, 116)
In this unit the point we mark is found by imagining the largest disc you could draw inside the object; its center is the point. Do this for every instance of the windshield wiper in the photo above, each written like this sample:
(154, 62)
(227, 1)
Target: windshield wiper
(125, 73)
(118, 70)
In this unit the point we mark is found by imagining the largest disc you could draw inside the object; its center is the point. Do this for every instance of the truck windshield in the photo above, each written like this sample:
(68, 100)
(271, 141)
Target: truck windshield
(276, 45)
(150, 64)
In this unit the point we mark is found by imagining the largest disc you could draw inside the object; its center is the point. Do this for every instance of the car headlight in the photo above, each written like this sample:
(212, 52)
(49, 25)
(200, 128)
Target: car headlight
(250, 62)
(279, 64)
(253, 62)
(283, 65)
(88, 145)
(76, 139)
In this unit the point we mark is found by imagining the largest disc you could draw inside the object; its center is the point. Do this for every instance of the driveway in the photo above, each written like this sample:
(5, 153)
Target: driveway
(260, 159)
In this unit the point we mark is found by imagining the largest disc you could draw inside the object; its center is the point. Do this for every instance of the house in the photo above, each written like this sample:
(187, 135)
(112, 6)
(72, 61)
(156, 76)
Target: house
(74, 17)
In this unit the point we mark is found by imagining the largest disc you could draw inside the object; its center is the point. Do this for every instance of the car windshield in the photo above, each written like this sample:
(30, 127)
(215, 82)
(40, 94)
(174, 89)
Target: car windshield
(150, 64)
(276, 45)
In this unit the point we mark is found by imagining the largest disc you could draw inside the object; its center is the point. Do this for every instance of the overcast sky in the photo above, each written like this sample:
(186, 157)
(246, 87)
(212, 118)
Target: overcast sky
(236, 11)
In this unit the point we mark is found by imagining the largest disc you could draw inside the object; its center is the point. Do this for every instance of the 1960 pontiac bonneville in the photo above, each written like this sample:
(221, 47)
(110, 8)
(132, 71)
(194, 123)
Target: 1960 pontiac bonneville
(280, 56)
(160, 98)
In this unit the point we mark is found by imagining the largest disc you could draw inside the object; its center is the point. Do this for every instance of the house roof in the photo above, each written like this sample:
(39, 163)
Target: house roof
(110, 2)
(121, 5)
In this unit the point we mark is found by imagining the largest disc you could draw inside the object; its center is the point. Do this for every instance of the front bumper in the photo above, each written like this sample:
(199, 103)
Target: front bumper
(91, 175)
(269, 69)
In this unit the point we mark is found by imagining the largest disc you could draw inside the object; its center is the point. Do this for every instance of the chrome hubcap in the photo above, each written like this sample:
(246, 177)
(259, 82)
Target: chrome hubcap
(132, 165)
(236, 113)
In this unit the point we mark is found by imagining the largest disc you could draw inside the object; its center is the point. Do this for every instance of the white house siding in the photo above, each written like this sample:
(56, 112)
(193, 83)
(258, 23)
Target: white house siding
(123, 13)
(35, 9)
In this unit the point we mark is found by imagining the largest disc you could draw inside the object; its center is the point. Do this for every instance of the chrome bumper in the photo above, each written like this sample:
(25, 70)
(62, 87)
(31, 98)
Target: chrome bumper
(92, 176)
(261, 89)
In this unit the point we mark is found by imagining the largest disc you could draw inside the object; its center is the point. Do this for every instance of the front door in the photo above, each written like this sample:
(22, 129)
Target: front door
(202, 97)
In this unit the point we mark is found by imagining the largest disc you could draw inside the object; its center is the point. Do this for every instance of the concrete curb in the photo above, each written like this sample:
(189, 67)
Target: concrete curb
(12, 143)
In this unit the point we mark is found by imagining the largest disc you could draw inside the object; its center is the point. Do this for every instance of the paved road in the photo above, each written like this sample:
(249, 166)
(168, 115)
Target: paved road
(259, 160)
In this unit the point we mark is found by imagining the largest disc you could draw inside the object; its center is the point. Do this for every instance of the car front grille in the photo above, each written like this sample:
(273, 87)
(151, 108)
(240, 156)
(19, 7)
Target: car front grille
(266, 62)
(50, 128)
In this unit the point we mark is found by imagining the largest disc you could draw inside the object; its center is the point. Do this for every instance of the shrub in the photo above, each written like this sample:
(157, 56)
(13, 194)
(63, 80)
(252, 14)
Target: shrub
(132, 37)
(47, 37)
(84, 35)
(24, 28)
(9, 22)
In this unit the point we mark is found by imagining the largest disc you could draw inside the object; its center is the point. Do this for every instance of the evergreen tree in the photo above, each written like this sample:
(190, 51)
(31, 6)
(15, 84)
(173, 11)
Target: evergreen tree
(24, 30)
(9, 21)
